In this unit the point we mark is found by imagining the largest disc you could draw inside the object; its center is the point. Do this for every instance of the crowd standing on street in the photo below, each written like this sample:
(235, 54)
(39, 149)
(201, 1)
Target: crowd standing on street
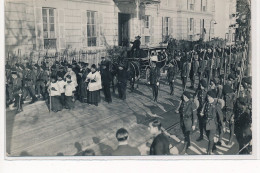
(222, 99)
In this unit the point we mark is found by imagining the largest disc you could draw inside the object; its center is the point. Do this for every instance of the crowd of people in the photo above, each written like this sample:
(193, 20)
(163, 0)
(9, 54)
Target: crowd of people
(222, 98)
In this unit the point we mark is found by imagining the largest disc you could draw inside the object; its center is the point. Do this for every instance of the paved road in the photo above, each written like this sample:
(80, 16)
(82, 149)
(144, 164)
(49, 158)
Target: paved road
(36, 132)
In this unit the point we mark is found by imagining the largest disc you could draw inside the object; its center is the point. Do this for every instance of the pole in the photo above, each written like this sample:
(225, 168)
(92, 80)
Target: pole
(241, 73)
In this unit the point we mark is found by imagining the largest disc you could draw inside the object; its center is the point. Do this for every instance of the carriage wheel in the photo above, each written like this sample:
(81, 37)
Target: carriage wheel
(147, 74)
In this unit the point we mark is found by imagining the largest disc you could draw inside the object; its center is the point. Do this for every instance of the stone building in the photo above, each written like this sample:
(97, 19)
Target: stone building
(94, 25)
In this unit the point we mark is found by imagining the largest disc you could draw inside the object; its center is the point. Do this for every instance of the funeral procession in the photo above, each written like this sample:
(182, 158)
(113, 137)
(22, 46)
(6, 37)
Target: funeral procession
(128, 77)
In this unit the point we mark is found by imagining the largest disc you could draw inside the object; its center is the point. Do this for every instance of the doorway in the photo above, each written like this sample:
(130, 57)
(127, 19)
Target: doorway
(123, 29)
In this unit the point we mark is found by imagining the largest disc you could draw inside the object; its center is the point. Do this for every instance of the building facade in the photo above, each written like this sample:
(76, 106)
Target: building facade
(94, 25)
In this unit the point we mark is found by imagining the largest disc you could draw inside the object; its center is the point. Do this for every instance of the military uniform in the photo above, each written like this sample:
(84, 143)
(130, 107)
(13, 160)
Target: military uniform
(171, 75)
(154, 81)
(228, 110)
(184, 73)
(213, 116)
(29, 84)
(188, 118)
(202, 64)
(122, 82)
(202, 96)
(41, 81)
(194, 70)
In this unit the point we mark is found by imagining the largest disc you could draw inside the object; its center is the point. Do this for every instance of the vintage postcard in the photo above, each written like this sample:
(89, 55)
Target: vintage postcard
(128, 78)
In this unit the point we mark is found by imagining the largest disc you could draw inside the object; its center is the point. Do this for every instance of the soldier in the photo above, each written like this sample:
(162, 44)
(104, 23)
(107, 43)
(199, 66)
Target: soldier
(213, 116)
(185, 72)
(229, 98)
(41, 80)
(209, 60)
(154, 80)
(188, 118)
(122, 81)
(243, 121)
(171, 75)
(29, 83)
(202, 63)
(201, 96)
(106, 78)
(194, 69)
(230, 81)
(17, 91)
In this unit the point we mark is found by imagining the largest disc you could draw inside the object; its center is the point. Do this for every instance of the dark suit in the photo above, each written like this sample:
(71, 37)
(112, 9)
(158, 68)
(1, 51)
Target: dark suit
(122, 82)
(160, 145)
(188, 118)
(106, 78)
(154, 78)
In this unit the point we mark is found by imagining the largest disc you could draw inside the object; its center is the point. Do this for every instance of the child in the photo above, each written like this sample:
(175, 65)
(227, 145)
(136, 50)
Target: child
(70, 89)
(61, 83)
(54, 93)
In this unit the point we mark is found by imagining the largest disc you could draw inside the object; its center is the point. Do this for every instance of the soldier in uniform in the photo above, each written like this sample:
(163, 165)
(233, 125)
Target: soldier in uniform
(213, 116)
(243, 121)
(171, 75)
(185, 72)
(202, 63)
(229, 98)
(29, 83)
(41, 80)
(194, 69)
(154, 80)
(106, 78)
(188, 118)
(17, 91)
(201, 95)
(122, 81)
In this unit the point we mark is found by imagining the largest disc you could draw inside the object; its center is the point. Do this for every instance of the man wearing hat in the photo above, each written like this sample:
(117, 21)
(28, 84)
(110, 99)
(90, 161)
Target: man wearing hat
(122, 81)
(194, 69)
(201, 95)
(136, 45)
(41, 80)
(16, 91)
(154, 80)
(213, 115)
(243, 123)
(106, 78)
(188, 118)
(171, 75)
(185, 72)
(229, 98)
(29, 83)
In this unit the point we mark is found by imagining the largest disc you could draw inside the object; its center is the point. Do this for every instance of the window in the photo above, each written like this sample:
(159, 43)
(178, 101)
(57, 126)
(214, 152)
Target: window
(190, 5)
(49, 28)
(191, 24)
(204, 4)
(166, 26)
(147, 39)
(92, 28)
(147, 21)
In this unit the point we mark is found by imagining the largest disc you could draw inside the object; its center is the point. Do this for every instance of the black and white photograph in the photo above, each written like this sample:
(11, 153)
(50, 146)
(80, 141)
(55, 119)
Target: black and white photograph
(87, 78)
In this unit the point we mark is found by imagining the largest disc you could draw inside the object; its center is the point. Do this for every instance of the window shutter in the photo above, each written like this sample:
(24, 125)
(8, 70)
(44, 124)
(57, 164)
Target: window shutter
(101, 30)
(39, 28)
(61, 36)
(143, 27)
(152, 30)
(171, 26)
(84, 29)
(96, 20)
(188, 26)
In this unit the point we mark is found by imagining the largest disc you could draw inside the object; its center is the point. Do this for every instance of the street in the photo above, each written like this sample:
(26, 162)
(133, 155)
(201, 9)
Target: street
(38, 132)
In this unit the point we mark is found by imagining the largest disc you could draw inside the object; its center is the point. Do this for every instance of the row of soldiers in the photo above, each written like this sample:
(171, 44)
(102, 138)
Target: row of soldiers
(222, 99)
(25, 81)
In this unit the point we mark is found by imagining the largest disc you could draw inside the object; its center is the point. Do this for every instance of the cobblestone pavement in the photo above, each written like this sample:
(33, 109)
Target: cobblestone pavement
(36, 132)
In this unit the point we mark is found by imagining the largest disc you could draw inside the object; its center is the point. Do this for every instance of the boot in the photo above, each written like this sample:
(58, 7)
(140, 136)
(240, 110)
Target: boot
(184, 148)
(199, 139)
(214, 148)
(33, 100)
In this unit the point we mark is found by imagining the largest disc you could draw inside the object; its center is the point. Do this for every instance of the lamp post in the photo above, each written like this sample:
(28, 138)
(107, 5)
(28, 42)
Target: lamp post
(210, 26)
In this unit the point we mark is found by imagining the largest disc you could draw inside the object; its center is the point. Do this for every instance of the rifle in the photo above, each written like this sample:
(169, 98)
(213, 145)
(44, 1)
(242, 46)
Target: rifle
(211, 67)
(240, 75)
